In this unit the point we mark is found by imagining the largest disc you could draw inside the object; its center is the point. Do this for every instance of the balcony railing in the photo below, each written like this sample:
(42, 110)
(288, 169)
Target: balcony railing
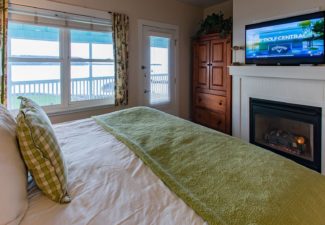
(92, 88)
(47, 92)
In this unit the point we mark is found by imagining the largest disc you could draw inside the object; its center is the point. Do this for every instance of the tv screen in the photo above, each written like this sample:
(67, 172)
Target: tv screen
(294, 40)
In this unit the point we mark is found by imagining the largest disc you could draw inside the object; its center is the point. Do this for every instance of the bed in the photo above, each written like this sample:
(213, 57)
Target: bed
(142, 166)
(108, 184)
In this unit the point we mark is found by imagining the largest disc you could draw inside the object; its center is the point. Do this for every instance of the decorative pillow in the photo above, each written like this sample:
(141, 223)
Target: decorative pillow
(13, 174)
(41, 151)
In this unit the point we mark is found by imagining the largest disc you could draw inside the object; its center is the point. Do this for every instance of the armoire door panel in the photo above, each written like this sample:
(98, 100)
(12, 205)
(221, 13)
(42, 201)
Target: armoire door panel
(203, 55)
(217, 79)
(203, 52)
(218, 65)
(217, 52)
(203, 77)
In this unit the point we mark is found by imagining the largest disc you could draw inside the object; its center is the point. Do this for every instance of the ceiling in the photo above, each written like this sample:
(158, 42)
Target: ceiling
(203, 3)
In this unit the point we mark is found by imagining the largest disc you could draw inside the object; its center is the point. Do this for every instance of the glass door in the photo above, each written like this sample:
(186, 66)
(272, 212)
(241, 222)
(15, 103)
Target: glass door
(158, 68)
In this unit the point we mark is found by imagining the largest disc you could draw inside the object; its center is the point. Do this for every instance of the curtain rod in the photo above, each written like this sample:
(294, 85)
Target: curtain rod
(75, 14)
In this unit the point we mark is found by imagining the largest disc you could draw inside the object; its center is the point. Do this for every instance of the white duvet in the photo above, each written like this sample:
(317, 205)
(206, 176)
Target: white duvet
(109, 185)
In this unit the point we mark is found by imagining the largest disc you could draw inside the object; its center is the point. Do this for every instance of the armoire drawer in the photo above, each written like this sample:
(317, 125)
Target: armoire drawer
(211, 119)
(212, 102)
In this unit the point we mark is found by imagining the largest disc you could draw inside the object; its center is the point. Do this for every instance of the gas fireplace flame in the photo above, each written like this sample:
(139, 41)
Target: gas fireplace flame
(301, 140)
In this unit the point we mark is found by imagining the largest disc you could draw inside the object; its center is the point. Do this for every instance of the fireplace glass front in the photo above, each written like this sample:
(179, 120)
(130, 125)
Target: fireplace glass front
(290, 130)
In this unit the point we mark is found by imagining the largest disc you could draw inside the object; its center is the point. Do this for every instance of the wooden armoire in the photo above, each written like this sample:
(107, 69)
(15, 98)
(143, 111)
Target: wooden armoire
(212, 83)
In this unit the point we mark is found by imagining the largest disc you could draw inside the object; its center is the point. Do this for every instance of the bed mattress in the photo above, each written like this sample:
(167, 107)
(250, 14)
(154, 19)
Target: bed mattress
(109, 185)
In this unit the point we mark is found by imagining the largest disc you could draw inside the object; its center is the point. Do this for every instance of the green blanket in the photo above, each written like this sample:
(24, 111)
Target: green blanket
(225, 180)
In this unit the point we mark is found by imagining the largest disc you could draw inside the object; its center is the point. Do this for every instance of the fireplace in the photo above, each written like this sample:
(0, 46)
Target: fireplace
(293, 131)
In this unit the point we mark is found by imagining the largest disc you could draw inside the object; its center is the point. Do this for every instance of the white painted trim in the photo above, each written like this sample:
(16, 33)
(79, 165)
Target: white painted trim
(286, 72)
(65, 68)
(160, 25)
(141, 24)
(55, 110)
(55, 6)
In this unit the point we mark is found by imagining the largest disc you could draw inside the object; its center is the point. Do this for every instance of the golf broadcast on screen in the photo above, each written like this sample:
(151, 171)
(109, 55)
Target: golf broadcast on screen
(292, 40)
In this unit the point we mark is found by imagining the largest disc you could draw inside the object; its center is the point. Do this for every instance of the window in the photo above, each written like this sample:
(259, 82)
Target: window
(159, 70)
(92, 66)
(58, 67)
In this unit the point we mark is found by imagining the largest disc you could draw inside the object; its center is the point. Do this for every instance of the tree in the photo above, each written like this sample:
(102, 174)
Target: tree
(318, 28)
(306, 25)
(307, 28)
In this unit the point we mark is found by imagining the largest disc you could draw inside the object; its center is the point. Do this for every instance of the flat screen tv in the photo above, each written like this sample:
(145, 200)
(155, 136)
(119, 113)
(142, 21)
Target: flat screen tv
(289, 41)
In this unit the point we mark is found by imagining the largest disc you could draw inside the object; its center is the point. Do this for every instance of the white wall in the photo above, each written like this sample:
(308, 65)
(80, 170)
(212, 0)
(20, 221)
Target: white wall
(166, 11)
(226, 7)
(250, 11)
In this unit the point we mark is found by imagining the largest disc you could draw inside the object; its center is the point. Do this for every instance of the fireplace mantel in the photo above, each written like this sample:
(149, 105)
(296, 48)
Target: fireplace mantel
(307, 72)
(302, 85)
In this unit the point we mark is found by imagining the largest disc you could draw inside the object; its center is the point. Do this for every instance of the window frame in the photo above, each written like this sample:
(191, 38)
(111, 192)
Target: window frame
(65, 60)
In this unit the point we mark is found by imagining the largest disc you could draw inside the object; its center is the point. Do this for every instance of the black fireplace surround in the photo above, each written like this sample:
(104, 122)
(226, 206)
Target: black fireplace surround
(293, 131)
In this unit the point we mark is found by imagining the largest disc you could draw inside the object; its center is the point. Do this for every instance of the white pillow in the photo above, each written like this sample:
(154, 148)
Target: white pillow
(13, 174)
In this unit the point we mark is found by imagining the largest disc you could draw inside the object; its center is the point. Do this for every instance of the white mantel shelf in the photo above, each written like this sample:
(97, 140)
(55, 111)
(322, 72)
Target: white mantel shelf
(286, 72)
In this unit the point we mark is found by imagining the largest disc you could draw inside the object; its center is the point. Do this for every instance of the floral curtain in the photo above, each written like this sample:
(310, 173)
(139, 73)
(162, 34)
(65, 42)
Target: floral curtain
(121, 38)
(3, 48)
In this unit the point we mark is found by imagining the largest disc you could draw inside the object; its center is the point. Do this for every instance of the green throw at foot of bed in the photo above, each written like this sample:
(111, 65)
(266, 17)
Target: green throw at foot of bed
(224, 179)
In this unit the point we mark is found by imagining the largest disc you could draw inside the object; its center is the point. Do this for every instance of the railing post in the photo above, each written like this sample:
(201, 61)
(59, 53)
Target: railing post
(90, 87)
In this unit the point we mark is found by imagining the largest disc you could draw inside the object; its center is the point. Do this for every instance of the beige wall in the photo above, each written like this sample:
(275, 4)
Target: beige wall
(225, 7)
(250, 11)
(166, 11)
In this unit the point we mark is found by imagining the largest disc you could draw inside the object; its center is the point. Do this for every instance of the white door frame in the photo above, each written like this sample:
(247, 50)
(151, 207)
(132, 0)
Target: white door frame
(141, 25)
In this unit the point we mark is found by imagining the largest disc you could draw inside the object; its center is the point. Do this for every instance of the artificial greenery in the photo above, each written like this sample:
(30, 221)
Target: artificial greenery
(215, 23)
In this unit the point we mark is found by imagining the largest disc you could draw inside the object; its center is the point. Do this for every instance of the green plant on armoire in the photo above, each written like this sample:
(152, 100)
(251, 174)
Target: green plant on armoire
(215, 23)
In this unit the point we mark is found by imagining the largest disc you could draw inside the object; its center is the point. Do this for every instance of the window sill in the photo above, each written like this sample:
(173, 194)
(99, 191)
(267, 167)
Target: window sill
(79, 110)
(62, 112)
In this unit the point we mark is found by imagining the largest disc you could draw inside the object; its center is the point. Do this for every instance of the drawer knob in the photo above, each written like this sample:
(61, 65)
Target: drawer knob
(220, 103)
(219, 122)
(199, 99)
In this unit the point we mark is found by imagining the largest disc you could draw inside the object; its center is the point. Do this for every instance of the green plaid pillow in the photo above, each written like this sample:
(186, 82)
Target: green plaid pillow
(41, 151)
